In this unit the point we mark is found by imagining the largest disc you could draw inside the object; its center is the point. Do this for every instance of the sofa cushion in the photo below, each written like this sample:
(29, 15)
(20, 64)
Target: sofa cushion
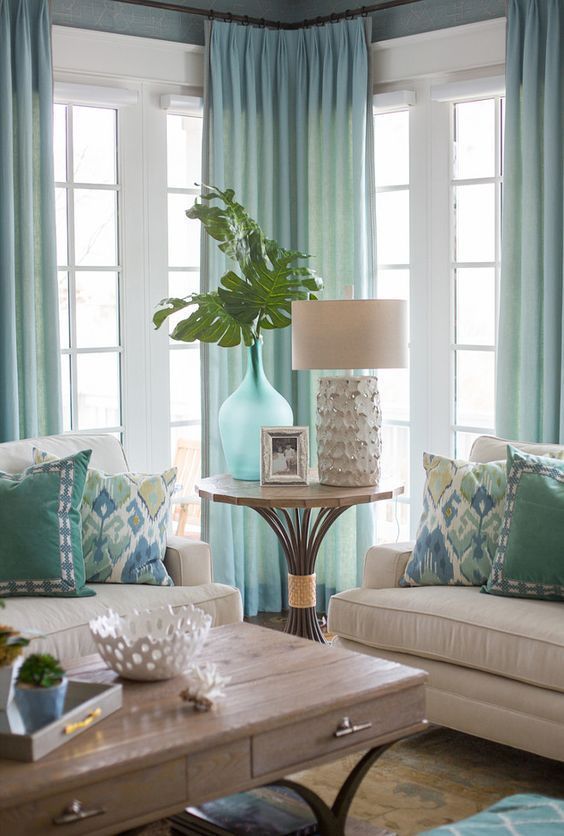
(460, 523)
(125, 518)
(517, 638)
(41, 533)
(528, 562)
(489, 448)
(63, 622)
(107, 452)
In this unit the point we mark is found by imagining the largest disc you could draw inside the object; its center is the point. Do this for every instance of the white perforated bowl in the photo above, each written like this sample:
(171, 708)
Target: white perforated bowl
(151, 644)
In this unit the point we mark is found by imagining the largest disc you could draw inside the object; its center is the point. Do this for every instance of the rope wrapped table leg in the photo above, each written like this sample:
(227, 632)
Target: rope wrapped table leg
(301, 591)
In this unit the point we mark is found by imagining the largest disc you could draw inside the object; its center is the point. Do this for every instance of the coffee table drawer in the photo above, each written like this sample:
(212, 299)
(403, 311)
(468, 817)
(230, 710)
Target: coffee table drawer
(122, 799)
(309, 739)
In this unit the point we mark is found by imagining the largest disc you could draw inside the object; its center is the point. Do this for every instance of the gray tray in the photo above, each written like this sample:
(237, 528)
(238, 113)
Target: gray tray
(86, 703)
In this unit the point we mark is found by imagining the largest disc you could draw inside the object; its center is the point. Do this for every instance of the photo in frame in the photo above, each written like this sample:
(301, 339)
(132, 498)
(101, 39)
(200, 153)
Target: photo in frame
(284, 455)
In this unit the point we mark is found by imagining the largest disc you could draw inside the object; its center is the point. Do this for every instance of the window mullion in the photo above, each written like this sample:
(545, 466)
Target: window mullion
(73, 341)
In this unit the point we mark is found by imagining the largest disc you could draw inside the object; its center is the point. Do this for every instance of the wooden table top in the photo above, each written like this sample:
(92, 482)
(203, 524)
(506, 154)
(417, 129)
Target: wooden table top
(277, 680)
(225, 488)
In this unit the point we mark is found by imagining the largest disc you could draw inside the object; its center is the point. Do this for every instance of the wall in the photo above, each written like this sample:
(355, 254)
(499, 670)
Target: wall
(112, 16)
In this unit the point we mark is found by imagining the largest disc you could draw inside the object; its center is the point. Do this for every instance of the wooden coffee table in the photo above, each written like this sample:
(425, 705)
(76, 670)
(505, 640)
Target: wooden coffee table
(300, 516)
(291, 704)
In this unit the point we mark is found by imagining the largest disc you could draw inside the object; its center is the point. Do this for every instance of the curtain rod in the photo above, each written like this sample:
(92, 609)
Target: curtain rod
(211, 14)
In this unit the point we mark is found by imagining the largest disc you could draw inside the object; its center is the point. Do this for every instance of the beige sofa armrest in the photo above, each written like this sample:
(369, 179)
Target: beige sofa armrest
(188, 562)
(385, 565)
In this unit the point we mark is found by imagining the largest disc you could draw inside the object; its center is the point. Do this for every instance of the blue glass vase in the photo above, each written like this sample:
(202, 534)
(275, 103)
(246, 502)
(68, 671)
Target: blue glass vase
(254, 404)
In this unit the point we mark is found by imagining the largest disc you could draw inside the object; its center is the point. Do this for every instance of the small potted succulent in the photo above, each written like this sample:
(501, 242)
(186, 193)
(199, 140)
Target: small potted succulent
(12, 644)
(40, 690)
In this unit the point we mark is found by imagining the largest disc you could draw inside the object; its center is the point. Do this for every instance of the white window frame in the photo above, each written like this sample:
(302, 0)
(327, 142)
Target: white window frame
(78, 95)
(463, 55)
(462, 93)
(133, 74)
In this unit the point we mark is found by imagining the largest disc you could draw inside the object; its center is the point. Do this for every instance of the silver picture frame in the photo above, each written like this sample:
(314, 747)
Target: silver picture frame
(284, 456)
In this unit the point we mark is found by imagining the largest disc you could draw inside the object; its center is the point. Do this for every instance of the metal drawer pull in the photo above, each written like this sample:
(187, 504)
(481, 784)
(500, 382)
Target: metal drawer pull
(346, 727)
(74, 812)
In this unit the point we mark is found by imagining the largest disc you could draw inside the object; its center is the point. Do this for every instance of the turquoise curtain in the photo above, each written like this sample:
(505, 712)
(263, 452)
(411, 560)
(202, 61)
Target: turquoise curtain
(288, 125)
(530, 368)
(30, 402)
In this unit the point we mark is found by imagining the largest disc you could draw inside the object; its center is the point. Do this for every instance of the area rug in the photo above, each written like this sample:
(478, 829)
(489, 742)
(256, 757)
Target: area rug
(436, 778)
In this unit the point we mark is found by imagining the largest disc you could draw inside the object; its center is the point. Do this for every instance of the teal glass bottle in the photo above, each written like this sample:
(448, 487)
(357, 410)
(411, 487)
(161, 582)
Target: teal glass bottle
(254, 404)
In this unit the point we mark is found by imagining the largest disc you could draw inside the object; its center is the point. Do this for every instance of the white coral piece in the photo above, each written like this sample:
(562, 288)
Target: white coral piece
(205, 686)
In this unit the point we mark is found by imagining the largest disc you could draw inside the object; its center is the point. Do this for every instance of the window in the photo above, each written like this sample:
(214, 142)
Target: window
(184, 143)
(476, 182)
(184, 134)
(438, 157)
(391, 149)
(124, 243)
(88, 256)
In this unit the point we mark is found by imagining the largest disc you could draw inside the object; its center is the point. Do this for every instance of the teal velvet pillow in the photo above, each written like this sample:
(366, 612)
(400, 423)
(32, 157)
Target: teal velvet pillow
(41, 542)
(460, 523)
(529, 562)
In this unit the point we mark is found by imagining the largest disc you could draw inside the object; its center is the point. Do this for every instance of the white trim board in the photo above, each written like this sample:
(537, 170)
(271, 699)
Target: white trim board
(440, 52)
(94, 53)
(107, 54)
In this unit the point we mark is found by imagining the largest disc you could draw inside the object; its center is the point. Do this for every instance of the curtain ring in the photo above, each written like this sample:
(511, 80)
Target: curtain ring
(211, 14)
(348, 14)
(229, 17)
(318, 21)
(262, 23)
(246, 20)
(364, 12)
(333, 17)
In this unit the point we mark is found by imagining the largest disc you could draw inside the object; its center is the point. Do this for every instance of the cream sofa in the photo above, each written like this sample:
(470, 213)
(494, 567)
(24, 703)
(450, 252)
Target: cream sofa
(64, 621)
(496, 665)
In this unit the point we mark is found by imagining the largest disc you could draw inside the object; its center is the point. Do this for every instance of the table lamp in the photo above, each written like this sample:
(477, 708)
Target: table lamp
(349, 334)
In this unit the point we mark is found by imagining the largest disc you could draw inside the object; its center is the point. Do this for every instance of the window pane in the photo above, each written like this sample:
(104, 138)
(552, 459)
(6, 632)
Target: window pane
(475, 222)
(392, 522)
(475, 376)
(60, 141)
(186, 455)
(191, 433)
(391, 148)
(501, 133)
(184, 150)
(181, 284)
(392, 227)
(463, 444)
(475, 306)
(395, 455)
(474, 139)
(66, 391)
(96, 309)
(183, 233)
(64, 308)
(185, 384)
(394, 394)
(95, 217)
(393, 284)
(98, 388)
(94, 144)
(61, 226)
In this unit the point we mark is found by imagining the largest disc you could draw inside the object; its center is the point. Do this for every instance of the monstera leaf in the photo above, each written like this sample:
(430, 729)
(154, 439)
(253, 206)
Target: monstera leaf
(209, 323)
(261, 297)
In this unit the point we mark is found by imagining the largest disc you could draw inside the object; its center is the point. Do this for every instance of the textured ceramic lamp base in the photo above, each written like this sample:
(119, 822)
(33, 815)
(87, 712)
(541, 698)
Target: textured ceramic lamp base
(348, 431)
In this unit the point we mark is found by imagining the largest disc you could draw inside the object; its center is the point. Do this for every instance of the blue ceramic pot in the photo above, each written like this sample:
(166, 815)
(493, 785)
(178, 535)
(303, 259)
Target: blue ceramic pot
(40, 706)
(254, 404)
